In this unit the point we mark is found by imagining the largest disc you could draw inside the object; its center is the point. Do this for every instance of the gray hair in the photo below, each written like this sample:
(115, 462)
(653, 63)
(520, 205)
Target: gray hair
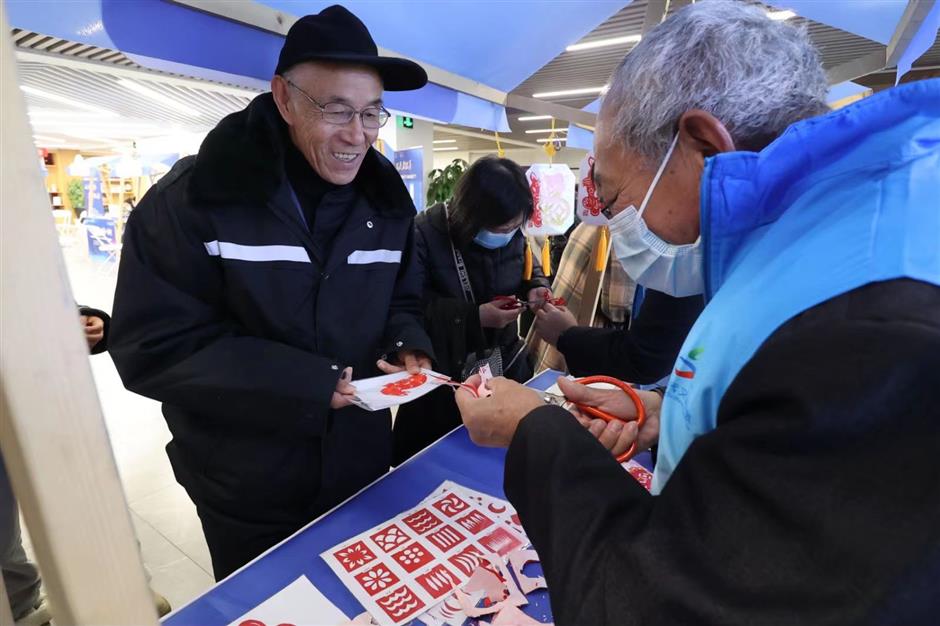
(756, 75)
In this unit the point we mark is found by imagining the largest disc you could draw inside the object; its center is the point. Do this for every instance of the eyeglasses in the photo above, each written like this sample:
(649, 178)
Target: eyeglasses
(341, 114)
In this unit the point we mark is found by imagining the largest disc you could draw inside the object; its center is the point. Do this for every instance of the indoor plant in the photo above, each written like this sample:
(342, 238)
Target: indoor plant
(441, 182)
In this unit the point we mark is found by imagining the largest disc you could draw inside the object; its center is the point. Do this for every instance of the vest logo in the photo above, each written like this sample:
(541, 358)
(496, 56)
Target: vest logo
(688, 363)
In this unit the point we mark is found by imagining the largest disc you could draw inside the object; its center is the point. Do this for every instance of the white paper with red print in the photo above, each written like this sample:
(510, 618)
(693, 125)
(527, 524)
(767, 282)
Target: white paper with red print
(383, 392)
(588, 206)
(552, 187)
(407, 565)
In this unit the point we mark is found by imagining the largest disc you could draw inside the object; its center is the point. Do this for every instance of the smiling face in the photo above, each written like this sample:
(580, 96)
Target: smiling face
(334, 151)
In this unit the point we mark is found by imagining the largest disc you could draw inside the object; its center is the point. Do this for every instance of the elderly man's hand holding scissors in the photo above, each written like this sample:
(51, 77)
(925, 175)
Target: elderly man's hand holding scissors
(493, 420)
(619, 434)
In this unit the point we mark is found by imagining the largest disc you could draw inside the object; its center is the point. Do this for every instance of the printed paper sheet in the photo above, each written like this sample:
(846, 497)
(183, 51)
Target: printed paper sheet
(383, 392)
(407, 565)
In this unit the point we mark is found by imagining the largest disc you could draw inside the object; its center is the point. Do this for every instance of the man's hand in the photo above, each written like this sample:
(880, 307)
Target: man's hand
(94, 330)
(344, 392)
(411, 360)
(492, 421)
(552, 321)
(538, 297)
(617, 436)
(491, 316)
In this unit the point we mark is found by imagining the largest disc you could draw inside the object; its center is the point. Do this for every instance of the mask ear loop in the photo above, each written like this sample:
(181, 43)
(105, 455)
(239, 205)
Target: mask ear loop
(659, 173)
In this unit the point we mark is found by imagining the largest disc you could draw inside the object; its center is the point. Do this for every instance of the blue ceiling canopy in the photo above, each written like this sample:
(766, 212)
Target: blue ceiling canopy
(872, 19)
(499, 43)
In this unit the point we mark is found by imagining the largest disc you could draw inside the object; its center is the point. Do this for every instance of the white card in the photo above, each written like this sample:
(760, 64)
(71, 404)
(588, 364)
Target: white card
(383, 392)
(297, 604)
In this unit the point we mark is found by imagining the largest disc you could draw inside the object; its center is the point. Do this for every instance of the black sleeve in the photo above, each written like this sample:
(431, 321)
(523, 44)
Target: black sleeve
(173, 340)
(102, 345)
(815, 501)
(405, 329)
(642, 354)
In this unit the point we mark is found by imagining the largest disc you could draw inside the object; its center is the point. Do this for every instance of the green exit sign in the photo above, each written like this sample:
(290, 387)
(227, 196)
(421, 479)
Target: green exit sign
(405, 122)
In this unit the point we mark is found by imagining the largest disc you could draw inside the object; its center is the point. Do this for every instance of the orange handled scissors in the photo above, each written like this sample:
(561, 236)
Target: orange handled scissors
(595, 412)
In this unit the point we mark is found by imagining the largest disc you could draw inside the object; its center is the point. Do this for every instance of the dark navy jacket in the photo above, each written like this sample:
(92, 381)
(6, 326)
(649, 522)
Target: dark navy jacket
(227, 314)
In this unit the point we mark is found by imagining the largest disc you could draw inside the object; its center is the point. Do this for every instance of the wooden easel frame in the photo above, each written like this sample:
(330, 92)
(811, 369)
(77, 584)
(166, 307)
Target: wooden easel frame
(52, 431)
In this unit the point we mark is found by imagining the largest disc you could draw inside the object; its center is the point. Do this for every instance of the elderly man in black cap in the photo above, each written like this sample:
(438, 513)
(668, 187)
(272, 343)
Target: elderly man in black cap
(259, 275)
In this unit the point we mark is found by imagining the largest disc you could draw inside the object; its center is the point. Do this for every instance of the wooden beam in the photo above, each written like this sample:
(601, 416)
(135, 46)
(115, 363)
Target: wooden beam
(861, 66)
(913, 16)
(558, 111)
(52, 432)
(655, 13)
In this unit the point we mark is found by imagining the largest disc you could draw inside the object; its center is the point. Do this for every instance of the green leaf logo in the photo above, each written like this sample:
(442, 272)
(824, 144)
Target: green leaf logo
(696, 353)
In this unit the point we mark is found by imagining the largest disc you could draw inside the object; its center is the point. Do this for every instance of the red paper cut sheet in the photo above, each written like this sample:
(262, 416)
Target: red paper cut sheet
(501, 541)
(422, 521)
(413, 557)
(390, 538)
(377, 579)
(438, 581)
(451, 504)
(475, 522)
(415, 561)
(400, 604)
(354, 556)
(467, 560)
(446, 538)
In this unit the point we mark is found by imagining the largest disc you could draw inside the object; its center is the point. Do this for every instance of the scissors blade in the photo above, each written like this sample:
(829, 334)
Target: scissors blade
(555, 399)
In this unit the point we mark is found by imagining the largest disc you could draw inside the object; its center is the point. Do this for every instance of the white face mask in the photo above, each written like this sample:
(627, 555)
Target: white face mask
(650, 261)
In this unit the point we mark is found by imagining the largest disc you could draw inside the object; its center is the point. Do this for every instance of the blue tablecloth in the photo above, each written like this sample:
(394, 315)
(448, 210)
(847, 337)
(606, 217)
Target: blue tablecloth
(454, 458)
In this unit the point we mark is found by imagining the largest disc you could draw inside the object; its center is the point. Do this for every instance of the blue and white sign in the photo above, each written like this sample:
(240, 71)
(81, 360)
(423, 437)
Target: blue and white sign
(410, 165)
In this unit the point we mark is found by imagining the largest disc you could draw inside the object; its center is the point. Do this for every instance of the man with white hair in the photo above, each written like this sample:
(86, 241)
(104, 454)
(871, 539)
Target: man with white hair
(798, 474)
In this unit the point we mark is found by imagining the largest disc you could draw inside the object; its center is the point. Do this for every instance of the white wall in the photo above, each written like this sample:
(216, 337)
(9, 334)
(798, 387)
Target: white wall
(443, 159)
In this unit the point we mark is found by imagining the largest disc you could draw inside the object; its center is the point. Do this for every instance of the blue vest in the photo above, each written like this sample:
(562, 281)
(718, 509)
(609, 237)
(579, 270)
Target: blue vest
(838, 201)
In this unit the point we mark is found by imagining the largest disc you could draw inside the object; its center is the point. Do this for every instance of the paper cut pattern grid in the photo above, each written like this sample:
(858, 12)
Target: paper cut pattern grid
(411, 563)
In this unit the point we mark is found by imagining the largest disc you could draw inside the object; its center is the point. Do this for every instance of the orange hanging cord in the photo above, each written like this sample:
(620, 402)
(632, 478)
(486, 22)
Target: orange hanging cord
(527, 267)
(603, 241)
(547, 257)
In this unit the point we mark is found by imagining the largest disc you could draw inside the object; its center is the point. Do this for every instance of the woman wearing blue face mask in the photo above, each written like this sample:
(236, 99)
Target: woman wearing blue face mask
(471, 251)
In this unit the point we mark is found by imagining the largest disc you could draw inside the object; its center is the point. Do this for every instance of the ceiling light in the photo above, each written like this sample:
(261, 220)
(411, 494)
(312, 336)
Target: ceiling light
(532, 118)
(158, 97)
(446, 149)
(779, 16)
(63, 100)
(546, 130)
(603, 43)
(546, 139)
(583, 91)
(437, 141)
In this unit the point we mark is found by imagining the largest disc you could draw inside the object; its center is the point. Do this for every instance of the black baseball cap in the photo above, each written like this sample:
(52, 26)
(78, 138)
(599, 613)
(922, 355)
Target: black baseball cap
(335, 34)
